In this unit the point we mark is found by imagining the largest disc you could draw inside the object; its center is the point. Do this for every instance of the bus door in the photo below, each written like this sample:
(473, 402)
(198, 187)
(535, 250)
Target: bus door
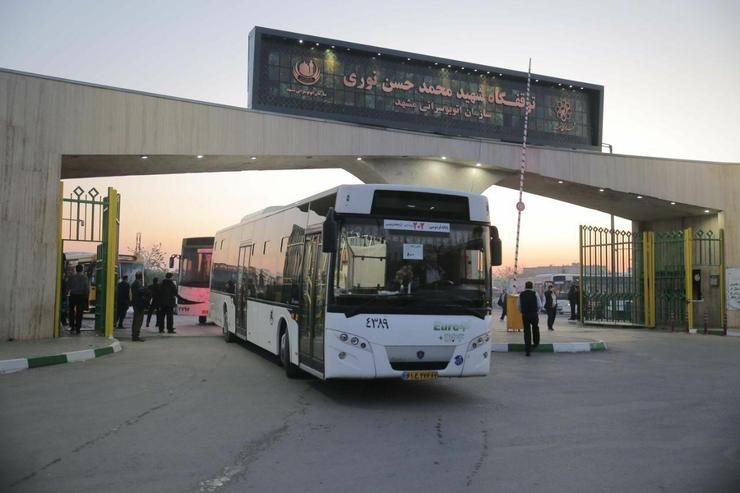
(313, 303)
(242, 289)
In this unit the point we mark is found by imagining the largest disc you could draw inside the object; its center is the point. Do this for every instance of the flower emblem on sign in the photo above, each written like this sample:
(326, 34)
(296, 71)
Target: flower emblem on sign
(564, 110)
(307, 72)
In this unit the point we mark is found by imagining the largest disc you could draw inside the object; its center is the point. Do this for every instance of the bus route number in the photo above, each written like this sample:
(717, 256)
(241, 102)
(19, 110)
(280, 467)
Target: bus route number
(376, 323)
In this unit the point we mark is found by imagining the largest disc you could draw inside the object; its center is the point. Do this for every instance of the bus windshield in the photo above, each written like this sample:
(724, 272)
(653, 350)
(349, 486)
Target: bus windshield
(195, 267)
(384, 263)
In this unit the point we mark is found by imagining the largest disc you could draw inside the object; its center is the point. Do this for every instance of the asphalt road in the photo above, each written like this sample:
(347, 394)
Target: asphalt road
(657, 412)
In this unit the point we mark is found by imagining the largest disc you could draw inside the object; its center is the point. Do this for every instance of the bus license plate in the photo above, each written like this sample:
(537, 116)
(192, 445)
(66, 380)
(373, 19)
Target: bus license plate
(420, 375)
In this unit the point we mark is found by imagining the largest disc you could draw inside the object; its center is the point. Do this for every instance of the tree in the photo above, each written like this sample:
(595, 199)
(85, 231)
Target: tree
(153, 257)
(501, 276)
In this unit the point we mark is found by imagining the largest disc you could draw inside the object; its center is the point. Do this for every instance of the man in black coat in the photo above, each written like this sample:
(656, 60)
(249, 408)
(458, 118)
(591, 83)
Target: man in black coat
(551, 306)
(168, 301)
(140, 300)
(576, 305)
(79, 291)
(123, 301)
(529, 306)
(572, 301)
(154, 303)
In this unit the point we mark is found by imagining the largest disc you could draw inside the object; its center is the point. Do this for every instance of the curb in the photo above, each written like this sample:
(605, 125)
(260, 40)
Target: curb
(557, 347)
(14, 365)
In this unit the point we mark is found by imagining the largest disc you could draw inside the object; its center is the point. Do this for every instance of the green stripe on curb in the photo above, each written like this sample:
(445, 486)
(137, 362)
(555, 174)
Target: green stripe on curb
(47, 360)
(100, 351)
(19, 364)
(542, 348)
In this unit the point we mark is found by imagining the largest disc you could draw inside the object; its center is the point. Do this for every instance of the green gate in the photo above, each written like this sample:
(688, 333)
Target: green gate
(612, 279)
(667, 279)
(85, 216)
(670, 278)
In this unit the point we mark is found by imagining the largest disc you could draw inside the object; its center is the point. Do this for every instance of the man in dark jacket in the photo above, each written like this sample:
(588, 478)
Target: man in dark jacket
(140, 300)
(551, 306)
(79, 291)
(123, 301)
(576, 306)
(529, 306)
(574, 298)
(168, 301)
(154, 303)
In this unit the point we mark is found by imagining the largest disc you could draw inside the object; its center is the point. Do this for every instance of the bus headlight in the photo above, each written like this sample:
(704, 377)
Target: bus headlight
(478, 342)
(353, 340)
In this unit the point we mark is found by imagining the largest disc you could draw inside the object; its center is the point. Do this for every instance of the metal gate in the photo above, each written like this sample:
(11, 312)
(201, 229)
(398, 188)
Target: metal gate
(85, 216)
(612, 276)
(668, 279)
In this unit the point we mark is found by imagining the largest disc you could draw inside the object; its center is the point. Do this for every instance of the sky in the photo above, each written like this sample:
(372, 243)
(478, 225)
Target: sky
(670, 72)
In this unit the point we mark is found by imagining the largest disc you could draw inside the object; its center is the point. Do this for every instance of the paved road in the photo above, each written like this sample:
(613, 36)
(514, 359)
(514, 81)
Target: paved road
(657, 412)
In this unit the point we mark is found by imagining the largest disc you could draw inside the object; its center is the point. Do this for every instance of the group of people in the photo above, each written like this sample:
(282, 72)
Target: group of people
(157, 298)
(530, 305)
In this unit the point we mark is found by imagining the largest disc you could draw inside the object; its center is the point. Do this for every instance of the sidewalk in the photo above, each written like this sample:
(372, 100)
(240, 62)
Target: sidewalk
(185, 326)
(21, 355)
(566, 338)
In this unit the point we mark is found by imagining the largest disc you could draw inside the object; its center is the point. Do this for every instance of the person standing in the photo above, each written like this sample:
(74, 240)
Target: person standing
(139, 300)
(502, 304)
(574, 297)
(64, 302)
(551, 306)
(530, 306)
(168, 301)
(123, 300)
(79, 290)
(572, 301)
(154, 304)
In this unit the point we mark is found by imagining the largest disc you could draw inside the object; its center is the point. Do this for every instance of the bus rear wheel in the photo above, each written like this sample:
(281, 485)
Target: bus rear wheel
(228, 336)
(291, 371)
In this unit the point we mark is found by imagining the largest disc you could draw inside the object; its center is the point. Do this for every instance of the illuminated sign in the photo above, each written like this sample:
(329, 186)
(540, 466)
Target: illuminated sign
(324, 78)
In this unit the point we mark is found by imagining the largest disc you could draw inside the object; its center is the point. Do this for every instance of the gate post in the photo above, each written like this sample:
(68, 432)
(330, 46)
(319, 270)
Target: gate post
(722, 293)
(112, 260)
(688, 256)
(60, 268)
(582, 284)
(648, 267)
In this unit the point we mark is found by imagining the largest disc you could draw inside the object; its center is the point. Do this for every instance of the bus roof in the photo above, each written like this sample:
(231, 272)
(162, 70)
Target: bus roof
(364, 189)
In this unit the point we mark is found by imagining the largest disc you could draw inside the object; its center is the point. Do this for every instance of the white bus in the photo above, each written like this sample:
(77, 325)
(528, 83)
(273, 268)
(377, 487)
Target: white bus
(362, 281)
(194, 277)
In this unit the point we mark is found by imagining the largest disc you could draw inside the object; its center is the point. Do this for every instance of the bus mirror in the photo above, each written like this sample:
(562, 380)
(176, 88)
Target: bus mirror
(172, 262)
(329, 233)
(495, 247)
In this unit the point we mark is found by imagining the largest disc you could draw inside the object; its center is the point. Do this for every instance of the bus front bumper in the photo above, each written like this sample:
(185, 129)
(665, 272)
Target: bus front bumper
(354, 357)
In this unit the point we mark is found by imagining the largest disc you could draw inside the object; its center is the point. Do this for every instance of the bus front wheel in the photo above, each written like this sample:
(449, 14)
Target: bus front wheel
(291, 371)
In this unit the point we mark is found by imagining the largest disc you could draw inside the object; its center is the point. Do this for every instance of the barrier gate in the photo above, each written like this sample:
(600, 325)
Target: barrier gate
(666, 279)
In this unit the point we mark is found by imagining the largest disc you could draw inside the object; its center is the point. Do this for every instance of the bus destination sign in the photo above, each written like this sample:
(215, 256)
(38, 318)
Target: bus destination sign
(317, 77)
